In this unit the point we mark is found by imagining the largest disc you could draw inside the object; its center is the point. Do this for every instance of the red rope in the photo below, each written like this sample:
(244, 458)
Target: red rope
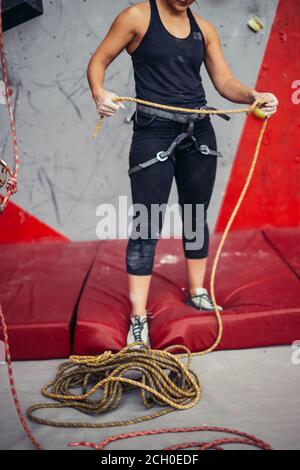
(243, 438)
(11, 185)
(13, 386)
(11, 188)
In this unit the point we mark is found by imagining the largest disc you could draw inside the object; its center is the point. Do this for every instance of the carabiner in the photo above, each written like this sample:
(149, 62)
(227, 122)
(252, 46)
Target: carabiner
(162, 156)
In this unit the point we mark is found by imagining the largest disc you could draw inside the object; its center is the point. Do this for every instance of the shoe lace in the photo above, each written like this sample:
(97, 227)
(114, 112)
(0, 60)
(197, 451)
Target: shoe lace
(137, 327)
(205, 297)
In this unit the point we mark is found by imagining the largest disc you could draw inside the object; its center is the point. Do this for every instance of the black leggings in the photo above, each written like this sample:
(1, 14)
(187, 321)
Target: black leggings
(194, 174)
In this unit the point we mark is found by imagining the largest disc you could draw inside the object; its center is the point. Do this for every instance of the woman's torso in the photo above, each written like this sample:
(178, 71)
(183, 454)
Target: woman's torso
(167, 68)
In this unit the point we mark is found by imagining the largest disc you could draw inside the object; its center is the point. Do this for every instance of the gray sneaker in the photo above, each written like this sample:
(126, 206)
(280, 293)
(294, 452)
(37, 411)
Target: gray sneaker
(138, 331)
(202, 301)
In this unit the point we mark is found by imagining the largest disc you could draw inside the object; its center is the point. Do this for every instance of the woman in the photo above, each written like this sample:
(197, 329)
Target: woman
(168, 44)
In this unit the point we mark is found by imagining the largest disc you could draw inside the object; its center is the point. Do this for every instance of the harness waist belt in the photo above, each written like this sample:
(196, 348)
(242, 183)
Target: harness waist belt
(189, 118)
(178, 115)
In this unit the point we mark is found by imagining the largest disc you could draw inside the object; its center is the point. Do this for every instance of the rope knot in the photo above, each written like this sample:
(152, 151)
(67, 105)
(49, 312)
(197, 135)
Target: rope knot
(11, 185)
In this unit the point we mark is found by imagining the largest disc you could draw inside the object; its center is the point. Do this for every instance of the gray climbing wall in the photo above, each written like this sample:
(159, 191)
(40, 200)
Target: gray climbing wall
(65, 175)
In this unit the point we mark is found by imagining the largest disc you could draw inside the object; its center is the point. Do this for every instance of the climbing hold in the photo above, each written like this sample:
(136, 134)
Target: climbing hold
(259, 114)
(255, 24)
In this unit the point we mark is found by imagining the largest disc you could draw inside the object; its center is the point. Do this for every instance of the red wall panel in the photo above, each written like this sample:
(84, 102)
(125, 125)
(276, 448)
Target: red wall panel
(274, 195)
(17, 225)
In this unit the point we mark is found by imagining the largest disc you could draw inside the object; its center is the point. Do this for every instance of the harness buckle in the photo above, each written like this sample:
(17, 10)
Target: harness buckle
(162, 156)
(204, 149)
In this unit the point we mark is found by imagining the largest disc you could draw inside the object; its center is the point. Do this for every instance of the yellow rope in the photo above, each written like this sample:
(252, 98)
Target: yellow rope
(224, 236)
(162, 379)
(250, 109)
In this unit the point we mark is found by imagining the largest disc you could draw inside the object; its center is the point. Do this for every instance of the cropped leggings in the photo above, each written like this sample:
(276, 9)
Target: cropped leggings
(150, 187)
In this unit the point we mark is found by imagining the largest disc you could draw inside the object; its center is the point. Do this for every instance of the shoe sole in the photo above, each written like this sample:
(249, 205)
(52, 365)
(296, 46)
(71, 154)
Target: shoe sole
(191, 304)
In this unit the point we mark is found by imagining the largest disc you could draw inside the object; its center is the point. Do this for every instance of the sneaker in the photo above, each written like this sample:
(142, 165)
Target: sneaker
(138, 331)
(202, 301)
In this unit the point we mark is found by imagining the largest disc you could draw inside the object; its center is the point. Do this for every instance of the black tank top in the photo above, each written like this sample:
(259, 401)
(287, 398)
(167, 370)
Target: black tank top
(166, 68)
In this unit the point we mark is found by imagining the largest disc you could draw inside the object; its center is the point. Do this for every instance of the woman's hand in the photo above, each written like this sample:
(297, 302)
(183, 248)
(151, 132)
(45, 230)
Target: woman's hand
(271, 102)
(104, 104)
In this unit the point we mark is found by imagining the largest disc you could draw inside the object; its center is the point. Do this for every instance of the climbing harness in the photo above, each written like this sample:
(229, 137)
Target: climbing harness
(178, 116)
(182, 141)
(183, 115)
(5, 171)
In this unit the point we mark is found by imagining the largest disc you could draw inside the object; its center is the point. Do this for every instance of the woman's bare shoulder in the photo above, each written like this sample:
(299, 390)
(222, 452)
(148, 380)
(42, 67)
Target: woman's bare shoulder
(136, 14)
(139, 8)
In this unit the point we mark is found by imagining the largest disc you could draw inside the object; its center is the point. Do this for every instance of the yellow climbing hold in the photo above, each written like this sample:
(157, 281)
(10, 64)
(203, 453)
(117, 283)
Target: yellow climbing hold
(259, 114)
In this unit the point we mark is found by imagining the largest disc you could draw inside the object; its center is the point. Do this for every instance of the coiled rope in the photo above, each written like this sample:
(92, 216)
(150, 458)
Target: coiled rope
(238, 436)
(163, 380)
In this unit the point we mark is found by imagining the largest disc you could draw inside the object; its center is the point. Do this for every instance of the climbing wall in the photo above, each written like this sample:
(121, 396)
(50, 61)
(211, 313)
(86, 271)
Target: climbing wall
(65, 175)
(275, 189)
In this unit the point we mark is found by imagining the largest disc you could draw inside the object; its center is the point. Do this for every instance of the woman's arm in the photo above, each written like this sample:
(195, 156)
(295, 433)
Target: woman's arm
(223, 79)
(120, 35)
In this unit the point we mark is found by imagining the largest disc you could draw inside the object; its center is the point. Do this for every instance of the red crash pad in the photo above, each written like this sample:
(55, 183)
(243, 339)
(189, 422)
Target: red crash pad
(40, 284)
(286, 242)
(50, 291)
(257, 288)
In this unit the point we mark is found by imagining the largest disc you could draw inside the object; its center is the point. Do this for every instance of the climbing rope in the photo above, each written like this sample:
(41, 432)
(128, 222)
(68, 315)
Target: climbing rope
(189, 392)
(21, 417)
(5, 171)
(162, 379)
(239, 438)
(250, 109)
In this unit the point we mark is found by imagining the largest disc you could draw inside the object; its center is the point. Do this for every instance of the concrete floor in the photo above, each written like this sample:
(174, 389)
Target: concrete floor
(256, 391)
